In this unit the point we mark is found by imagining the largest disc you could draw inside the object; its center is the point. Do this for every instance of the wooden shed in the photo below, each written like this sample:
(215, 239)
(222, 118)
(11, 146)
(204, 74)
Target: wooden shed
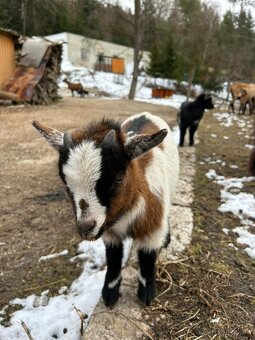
(29, 68)
(8, 39)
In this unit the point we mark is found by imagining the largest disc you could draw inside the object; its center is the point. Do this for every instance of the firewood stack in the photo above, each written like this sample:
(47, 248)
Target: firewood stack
(46, 91)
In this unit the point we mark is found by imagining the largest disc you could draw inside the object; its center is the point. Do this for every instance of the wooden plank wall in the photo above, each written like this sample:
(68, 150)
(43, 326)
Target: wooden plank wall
(7, 58)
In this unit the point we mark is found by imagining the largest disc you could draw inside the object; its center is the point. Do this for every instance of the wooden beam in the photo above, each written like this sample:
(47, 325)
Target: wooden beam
(9, 96)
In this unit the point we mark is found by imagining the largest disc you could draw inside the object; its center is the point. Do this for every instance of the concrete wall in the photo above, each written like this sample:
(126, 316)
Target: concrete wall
(83, 51)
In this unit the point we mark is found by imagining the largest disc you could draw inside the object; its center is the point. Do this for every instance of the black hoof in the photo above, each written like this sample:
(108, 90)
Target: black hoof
(111, 295)
(146, 294)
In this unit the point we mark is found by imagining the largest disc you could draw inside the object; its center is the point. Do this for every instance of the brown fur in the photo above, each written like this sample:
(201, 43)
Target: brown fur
(97, 132)
(129, 195)
(73, 86)
(245, 92)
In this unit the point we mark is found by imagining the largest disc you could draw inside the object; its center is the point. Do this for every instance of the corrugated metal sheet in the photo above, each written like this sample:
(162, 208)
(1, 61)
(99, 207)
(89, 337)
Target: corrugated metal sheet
(7, 58)
(32, 52)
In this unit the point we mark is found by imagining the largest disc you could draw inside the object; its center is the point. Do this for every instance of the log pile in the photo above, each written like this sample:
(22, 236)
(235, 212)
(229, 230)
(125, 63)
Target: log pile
(46, 90)
(37, 69)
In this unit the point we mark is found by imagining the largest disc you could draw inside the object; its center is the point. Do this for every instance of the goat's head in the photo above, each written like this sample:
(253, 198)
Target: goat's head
(94, 172)
(206, 101)
(242, 94)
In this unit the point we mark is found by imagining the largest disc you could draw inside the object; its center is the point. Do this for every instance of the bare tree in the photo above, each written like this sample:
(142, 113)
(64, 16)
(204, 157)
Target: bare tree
(138, 38)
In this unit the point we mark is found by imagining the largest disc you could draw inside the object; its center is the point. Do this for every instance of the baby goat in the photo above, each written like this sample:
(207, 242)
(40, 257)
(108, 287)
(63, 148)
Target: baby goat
(191, 114)
(121, 179)
(76, 87)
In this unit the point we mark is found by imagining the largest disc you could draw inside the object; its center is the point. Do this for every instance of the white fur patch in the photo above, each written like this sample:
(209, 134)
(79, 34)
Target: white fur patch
(114, 283)
(55, 138)
(155, 240)
(122, 225)
(82, 172)
(141, 279)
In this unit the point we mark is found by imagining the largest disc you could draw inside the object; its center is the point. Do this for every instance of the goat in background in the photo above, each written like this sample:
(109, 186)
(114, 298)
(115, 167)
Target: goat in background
(76, 87)
(243, 92)
(190, 115)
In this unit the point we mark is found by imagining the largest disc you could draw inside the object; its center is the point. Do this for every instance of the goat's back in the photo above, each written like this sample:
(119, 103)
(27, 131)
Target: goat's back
(191, 111)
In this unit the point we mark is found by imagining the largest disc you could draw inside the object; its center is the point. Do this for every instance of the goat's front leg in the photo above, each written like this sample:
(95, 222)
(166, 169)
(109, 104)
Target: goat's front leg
(112, 281)
(183, 129)
(146, 288)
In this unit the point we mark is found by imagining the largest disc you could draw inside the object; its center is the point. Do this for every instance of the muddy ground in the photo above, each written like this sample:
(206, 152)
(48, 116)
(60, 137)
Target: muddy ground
(36, 218)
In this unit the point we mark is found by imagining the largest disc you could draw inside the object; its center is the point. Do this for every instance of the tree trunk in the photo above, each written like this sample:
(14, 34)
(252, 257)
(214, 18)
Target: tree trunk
(24, 16)
(138, 33)
(190, 81)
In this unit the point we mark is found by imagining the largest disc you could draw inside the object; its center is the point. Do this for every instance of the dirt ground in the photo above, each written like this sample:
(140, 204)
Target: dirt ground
(208, 294)
(36, 217)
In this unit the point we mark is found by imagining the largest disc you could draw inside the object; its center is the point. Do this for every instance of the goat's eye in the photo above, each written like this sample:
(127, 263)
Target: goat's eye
(120, 178)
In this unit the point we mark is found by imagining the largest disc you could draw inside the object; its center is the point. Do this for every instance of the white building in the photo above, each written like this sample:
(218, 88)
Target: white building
(80, 50)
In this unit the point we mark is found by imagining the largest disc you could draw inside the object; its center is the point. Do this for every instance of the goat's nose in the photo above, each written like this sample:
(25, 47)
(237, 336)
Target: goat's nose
(86, 225)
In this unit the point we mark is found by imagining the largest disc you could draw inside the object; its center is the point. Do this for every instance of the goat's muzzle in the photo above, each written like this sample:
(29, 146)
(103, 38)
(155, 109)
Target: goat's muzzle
(86, 227)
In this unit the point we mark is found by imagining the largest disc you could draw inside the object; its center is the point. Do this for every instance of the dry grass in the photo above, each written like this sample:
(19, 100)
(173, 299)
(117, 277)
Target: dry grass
(210, 293)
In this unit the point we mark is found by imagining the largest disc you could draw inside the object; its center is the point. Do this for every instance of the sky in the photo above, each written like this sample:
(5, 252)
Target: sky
(222, 5)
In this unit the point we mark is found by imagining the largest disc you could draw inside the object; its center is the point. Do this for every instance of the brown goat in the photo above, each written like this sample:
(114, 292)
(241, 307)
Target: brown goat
(245, 93)
(76, 87)
(247, 96)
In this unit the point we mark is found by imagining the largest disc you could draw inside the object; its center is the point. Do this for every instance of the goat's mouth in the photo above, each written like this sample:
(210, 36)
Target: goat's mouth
(89, 236)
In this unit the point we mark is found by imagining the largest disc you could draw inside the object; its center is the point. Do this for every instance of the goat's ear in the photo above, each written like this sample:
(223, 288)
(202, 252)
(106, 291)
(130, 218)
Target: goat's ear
(54, 137)
(143, 143)
(110, 138)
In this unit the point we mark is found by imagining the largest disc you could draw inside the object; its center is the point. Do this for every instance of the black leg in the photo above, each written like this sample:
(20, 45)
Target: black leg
(192, 131)
(146, 288)
(182, 134)
(231, 107)
(112, 281)
(167, 239)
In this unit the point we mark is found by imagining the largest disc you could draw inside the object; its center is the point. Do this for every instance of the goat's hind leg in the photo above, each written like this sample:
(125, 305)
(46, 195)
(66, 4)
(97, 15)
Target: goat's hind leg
(192, 130)
(146, 288)
(110, 293)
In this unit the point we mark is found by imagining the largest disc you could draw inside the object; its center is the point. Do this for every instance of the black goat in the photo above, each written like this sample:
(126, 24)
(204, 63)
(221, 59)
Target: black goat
(190, 115)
